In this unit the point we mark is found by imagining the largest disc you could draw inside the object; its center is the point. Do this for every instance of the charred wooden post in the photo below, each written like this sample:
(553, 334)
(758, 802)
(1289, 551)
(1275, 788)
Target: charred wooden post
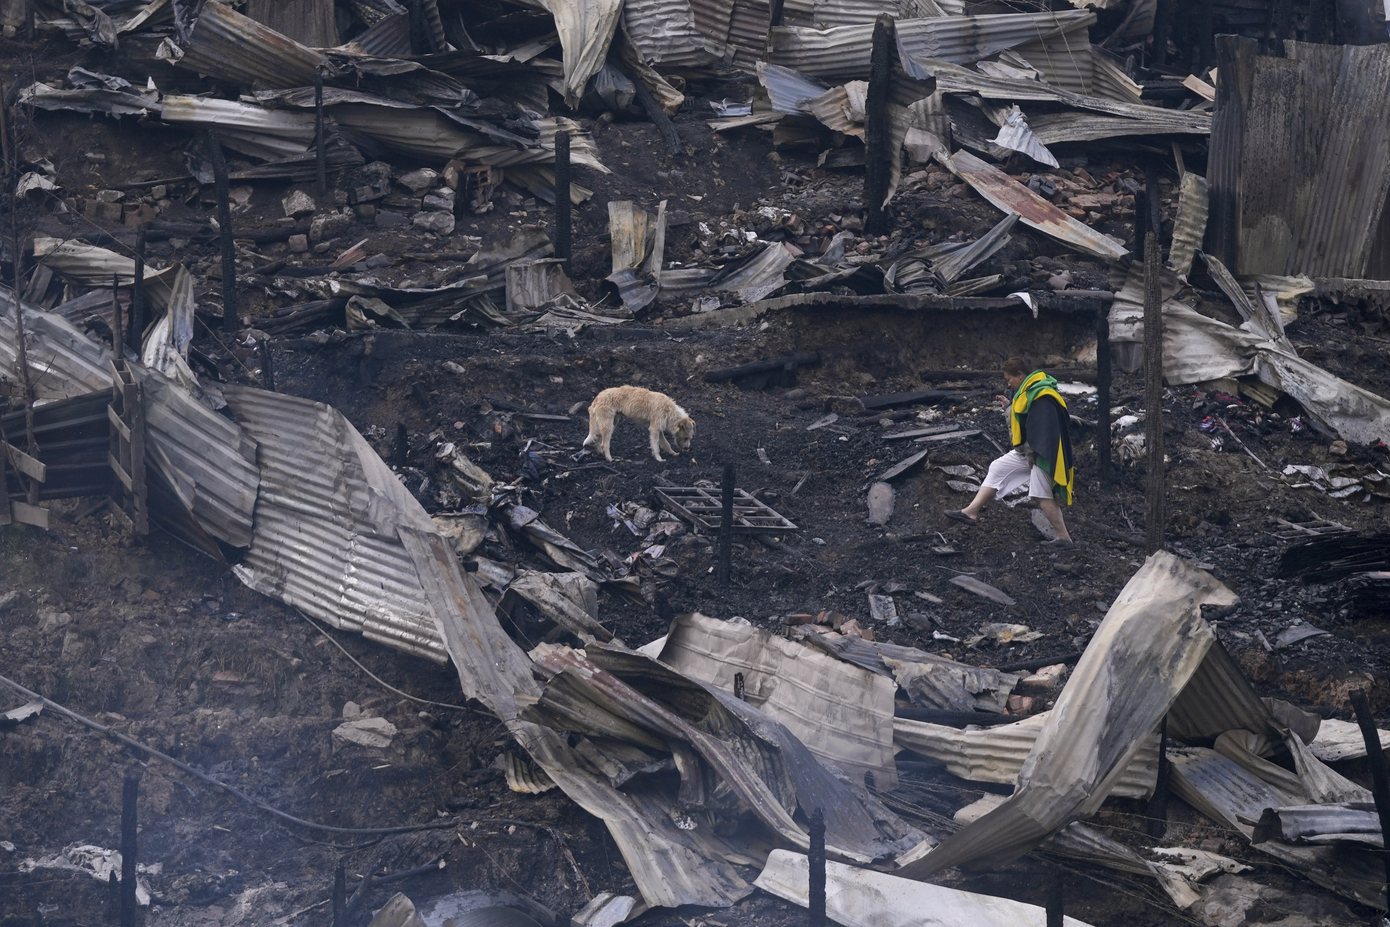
(117, 329)
(340, 896)
(267, 366)
(402, 444)
(130, 845)
(815, 859)
(1056, 901)
(1163, 28)
(878, 132)
(776, 14)
(224, 223)
(139, 314)
(1380, 775)
(1153, 199)
(320, 150)
(738, 685)
(726, 528)
(563, 205)
(1103, 393)
(1158, 805)
(1156, 516)
(657, 115)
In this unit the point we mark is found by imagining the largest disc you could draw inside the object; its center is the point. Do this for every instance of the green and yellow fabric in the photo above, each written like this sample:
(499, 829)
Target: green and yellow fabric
(1046, 432)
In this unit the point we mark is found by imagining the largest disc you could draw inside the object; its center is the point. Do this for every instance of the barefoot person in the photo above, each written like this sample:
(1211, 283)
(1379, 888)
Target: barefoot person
(1041, 454)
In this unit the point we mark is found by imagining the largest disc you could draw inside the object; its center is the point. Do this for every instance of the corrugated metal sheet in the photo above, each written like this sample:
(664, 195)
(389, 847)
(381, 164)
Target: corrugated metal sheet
(758, 759)
(74, 438)
(842, 53)
(235, 48)
(1063, 58)
(1340, 823)
(62, 361)
(1190, 224)
(226, 114)
(1150, 643)
(664, 33)
(842, 713)
(205, 457)
(1110, 81)
(1011, 196)
(996, 754)
(1051, 128)
(1218, 698)
(322, 543)
(586, 29)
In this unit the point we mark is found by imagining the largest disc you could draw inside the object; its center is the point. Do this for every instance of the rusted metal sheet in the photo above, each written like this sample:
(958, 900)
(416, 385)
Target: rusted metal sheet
(205, 458)
(1012, 197)
(224, 44)
(1190, 224)
(1150, 644)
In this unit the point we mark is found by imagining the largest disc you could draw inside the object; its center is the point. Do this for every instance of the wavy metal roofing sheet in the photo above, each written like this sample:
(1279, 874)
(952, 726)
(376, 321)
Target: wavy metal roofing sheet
(62, 361)
(226, 45)
(210, 461)
(843, 52)
(325, 541)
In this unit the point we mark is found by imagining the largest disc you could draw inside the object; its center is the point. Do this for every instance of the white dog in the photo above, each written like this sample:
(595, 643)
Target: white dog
(656, 410)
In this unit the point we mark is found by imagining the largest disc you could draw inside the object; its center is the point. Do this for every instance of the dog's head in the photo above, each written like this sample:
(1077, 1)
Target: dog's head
(684, 433)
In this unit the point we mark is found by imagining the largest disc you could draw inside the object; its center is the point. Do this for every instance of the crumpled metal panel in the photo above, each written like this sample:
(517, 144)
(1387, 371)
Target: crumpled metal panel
(324, 541)
(228, 46)
(586, 29)
(842, 53)
(1011, 196)
(205, 457)
(664, 33)
(1190, 224)
(228, 114)
(996, 754)
(1151, 642)
(842, 713)
(62, 361)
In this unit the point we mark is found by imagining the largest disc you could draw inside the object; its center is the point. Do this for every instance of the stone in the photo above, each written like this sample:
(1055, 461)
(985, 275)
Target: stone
(10, 599)
(375, 733)
(880, 503)
(299, 244)
(387, 219)
(109, 196)
(401, 201)
(159, 192)
(329, 225)
(50, 620)
(140, 217)
(377, 260)
(297, 204)
(108, 212)
(1045, 681)
(365, 211)
(351, 710)
(441, 200)
(417, 182)
(441, 223)
(1018, 705)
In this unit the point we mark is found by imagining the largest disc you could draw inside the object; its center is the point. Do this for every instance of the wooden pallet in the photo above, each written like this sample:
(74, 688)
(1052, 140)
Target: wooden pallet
(704, 508)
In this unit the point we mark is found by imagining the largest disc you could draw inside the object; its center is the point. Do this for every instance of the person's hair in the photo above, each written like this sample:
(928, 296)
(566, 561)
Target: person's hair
(1015, 367)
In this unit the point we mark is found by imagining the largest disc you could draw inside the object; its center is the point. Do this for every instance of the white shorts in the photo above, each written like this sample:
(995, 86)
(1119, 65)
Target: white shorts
(1011, 471)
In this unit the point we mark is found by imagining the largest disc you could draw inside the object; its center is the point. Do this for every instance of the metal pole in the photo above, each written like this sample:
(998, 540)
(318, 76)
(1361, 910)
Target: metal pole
(320, 153)
(563, 206)
(1156, 516)
(1103, 393)
(878, 135)
(816, 876)
(726, 528)
(1380, 776)
(224, 222)
(130, 909)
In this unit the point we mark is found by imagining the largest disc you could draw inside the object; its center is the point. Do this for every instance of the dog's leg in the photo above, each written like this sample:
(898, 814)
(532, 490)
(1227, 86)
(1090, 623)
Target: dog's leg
(657, 439)
(666, 445)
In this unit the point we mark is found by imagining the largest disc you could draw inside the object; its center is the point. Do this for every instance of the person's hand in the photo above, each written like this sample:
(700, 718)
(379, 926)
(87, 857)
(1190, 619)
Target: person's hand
(1002, 400)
